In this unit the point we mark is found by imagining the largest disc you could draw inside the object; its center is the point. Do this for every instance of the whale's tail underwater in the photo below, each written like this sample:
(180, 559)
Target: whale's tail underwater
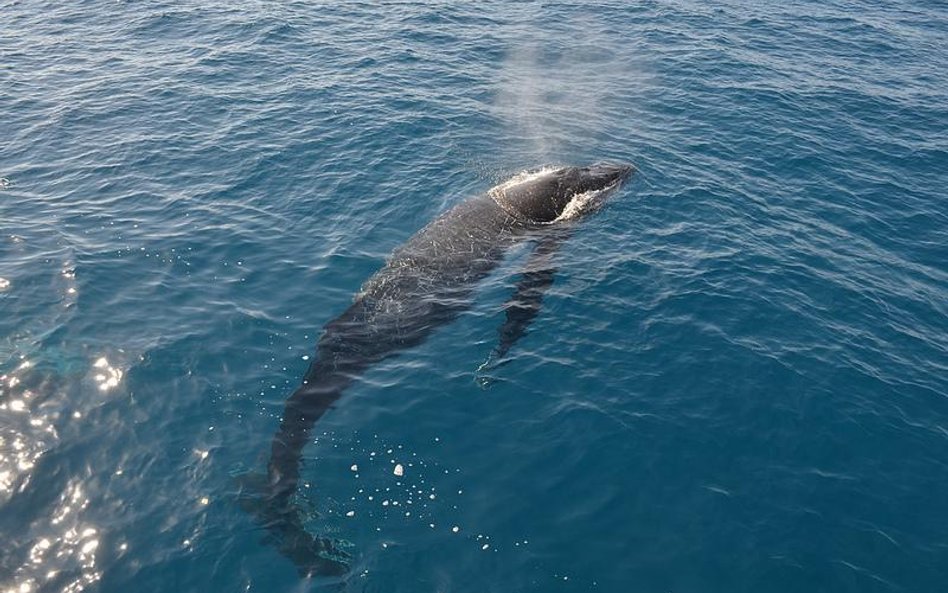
(269, 497)
(425, 284)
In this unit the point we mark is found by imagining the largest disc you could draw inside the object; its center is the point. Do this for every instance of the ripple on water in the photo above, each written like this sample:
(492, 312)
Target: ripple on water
(736, 381)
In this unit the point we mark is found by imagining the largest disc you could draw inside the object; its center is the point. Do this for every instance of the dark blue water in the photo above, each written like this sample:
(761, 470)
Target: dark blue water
(739, 381)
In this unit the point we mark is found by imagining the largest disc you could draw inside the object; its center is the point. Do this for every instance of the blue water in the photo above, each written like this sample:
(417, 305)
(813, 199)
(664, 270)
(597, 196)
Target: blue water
(739, 381)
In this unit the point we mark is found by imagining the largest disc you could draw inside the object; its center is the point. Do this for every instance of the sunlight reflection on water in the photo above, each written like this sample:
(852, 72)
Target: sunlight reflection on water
(24, 433)
(64, 556)
(60, 553)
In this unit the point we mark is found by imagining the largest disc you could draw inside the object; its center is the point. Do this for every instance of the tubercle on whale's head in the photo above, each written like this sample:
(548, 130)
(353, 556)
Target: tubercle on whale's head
(559, 193)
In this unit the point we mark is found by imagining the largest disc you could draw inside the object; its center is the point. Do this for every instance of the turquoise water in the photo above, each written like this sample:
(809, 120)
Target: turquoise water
(738, 382)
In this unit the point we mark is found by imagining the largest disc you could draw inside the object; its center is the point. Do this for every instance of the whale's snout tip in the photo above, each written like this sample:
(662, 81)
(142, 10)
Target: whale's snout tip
(611, 172)
(621, 170)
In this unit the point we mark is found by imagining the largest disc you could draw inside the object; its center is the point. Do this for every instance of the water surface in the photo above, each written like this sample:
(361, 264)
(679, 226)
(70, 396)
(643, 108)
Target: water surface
(737, 382)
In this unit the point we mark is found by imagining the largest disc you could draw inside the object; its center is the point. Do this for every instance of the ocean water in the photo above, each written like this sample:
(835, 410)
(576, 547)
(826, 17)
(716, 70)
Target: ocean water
(738, 382)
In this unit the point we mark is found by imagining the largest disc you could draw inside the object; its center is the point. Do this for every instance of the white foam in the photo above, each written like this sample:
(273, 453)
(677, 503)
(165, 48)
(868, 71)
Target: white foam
(584, 203)
(579, 204)
(498, 193)
(521, 177)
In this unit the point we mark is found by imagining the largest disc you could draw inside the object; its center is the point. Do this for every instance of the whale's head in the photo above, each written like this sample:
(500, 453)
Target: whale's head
(560, 193)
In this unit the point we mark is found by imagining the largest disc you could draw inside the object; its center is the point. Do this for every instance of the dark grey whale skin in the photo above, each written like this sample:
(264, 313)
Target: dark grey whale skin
(425, 284)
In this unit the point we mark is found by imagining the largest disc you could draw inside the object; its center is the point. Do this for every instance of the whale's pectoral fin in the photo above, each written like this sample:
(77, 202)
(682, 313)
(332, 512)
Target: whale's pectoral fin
(524, 305)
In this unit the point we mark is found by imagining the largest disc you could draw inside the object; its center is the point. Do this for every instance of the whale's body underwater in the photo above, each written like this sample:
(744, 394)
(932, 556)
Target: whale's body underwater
(425, 284)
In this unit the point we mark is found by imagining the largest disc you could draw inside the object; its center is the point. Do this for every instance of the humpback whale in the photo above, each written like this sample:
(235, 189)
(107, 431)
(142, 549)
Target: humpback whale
(426, 283)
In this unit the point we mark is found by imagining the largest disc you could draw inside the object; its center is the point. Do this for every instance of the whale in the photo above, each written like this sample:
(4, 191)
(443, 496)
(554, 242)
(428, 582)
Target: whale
(424, 285)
